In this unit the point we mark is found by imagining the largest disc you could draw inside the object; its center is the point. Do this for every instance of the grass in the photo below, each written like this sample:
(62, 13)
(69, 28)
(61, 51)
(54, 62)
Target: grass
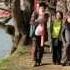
(21, 60)
(12, 62)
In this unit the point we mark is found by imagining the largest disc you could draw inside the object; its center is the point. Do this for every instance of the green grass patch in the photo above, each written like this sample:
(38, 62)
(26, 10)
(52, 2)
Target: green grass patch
(8, 63)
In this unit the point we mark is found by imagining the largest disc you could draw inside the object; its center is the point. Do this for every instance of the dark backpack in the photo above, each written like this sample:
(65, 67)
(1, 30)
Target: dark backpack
(33, 26)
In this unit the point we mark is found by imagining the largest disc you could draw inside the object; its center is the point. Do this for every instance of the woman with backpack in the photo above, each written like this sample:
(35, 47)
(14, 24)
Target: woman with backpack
(33, 25)
(39, 34)
(56, 29)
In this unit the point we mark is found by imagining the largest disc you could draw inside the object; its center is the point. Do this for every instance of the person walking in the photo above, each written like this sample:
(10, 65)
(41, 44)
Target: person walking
(66, 42)
(39, 34)
(33, 25)
(56, 29)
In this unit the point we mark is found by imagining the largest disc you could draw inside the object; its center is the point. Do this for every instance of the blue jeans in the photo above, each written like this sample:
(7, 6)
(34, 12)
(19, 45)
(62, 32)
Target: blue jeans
(56, 47)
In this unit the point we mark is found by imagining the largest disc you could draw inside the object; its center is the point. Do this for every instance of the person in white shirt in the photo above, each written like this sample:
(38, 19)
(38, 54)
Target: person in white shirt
(39, 34)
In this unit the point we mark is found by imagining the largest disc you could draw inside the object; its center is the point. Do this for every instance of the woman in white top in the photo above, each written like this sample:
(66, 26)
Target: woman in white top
(39, 33)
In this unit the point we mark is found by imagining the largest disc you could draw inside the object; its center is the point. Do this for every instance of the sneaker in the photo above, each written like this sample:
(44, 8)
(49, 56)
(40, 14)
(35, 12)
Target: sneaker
(64, 64)
(36, 64)
(39, 64)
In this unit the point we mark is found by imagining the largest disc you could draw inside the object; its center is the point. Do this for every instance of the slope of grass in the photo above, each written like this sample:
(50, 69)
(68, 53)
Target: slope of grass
(12, 62)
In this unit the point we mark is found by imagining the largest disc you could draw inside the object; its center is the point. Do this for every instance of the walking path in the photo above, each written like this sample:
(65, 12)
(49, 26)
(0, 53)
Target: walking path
(23, 61)
(27, 64)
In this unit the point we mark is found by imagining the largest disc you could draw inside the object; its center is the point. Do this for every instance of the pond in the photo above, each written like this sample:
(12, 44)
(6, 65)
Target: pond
(5, 43)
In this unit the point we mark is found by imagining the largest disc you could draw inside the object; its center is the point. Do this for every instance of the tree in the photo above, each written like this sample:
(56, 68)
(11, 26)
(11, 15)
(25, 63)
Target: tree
(22, 17)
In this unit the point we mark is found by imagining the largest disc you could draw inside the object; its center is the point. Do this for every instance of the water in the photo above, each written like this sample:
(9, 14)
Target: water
(5, 39)
(5, 43)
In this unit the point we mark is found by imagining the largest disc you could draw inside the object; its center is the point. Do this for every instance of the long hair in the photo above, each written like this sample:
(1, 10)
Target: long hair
(61, 14)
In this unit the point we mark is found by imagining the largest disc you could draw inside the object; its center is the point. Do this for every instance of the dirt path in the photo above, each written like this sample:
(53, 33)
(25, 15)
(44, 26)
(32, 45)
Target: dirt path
(26, 63)
(21, 61)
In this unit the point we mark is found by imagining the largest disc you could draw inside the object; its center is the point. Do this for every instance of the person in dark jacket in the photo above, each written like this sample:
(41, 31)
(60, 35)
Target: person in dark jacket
(56, 28)
(39, 34)
(34, 16)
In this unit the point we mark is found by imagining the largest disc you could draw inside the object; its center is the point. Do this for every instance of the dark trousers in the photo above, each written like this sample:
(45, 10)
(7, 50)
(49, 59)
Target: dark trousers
(38, 50)
(56, 47)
